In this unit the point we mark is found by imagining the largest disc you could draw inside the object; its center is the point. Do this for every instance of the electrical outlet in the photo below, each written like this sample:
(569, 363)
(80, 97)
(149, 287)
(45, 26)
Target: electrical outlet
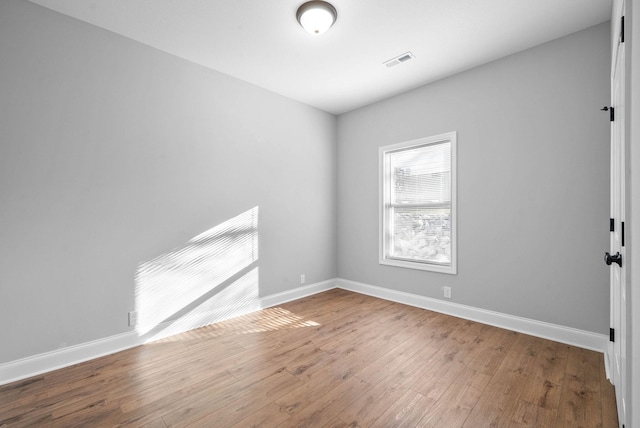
(447, 292)
(133, 318)
(302, 279)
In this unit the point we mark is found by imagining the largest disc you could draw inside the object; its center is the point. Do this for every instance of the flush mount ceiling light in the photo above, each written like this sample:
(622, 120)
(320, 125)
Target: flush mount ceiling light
(316, 16)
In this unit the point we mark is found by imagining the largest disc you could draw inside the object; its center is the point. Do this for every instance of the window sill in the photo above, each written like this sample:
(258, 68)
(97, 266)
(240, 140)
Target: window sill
(451, 270)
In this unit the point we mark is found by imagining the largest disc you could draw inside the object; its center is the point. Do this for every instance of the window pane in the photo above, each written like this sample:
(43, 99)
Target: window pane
(418, 204)
(421, 175)
(422, 234)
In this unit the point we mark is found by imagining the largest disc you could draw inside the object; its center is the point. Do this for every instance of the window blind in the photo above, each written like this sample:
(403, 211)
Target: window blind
(419, 203)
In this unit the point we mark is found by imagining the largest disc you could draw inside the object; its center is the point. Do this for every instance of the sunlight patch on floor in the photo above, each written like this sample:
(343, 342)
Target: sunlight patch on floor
(270, 319)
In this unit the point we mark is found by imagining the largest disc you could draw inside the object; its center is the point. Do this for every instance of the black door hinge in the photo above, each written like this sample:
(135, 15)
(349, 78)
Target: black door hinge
(612, 227)
(622, 30)
(612, 335)
(610, 110)
(622, 232)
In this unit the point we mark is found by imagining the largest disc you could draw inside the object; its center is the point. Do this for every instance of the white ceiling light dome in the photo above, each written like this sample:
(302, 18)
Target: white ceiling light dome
(316, 16)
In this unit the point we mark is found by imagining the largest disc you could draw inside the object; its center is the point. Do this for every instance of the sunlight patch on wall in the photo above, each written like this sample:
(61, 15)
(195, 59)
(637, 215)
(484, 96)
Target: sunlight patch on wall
(191, 285)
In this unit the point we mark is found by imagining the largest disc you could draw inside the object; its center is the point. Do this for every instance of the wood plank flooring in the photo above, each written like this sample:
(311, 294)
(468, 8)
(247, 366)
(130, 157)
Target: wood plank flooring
(335, 359)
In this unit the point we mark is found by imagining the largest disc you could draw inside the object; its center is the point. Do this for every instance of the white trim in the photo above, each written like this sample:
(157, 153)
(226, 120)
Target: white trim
(558, 333)
(383, 202)
(48, 361)
(54, 360)
(632, 100)
(60, 358)
(431, 267)
(607, 371)
(298, 293)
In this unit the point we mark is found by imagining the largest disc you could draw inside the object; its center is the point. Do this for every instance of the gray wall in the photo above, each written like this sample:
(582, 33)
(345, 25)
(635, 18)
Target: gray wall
(533, 180)
(113, 153)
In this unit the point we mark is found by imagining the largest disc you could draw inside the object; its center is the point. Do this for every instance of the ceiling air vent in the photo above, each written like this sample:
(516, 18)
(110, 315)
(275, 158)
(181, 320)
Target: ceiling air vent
(399, 59)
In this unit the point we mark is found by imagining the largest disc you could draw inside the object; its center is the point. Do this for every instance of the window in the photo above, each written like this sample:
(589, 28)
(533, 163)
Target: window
(418, 204)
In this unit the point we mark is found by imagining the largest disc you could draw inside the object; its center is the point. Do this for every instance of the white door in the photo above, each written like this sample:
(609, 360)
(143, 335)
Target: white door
(616, 256)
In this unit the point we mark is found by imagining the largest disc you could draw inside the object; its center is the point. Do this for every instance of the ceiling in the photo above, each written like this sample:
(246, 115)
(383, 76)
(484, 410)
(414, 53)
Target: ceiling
(260, 41)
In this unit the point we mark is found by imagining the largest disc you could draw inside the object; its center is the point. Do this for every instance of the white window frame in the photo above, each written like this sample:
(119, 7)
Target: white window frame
(384, 204)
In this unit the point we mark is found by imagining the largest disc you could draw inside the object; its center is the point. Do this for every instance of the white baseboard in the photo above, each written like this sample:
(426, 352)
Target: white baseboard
(60, 358)
(48, 361)
(298, 293)
(53, 360)
(558, 333)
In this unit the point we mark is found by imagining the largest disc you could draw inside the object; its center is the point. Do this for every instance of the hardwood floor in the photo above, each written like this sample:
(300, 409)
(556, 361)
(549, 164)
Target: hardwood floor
(335, 359)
